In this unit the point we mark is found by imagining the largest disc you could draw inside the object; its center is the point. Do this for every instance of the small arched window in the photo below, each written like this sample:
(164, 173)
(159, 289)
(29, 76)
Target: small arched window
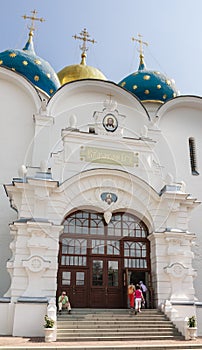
(192, 153)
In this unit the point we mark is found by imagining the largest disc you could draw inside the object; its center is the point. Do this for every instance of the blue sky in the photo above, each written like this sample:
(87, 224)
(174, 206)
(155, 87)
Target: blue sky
(172, 28)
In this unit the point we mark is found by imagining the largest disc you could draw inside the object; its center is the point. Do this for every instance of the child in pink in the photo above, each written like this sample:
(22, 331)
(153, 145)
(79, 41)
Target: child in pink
(138, 298)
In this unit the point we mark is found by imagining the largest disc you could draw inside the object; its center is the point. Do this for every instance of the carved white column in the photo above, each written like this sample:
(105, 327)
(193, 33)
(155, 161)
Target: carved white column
(171, 264)
(179, 268)
(34, 263)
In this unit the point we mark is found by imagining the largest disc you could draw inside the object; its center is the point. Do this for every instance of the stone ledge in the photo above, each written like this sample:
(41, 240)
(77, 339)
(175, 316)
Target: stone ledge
(5, 300)
(32, 300)
(185, 302)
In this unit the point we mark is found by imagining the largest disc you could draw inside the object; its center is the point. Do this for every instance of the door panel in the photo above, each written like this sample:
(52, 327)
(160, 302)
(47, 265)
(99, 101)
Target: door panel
(75, 283)
(98, 297)
(106, 288)
(97, 290)
(114, 284)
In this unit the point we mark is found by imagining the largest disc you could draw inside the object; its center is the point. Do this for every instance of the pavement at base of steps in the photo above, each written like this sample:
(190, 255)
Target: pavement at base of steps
(39, 343)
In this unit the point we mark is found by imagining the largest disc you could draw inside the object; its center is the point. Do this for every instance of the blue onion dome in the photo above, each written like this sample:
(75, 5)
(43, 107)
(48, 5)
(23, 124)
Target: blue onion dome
(149, 85)
(31, 66)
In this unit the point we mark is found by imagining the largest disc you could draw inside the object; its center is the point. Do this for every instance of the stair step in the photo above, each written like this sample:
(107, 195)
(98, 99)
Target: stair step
(119, 330)
(125, 327)
(120, 317)
(117, 338)
(166, 346)
(115, 325)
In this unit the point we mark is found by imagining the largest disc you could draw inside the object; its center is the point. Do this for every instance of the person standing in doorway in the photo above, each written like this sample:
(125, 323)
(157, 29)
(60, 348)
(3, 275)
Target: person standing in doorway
(131, 296)
(144, 292)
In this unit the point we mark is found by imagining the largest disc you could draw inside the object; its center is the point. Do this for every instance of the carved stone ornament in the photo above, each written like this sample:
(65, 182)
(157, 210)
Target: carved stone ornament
(107, 216)
(36, 264)
(72, 121)
(177, 270)
(109, 121)
(109, 197)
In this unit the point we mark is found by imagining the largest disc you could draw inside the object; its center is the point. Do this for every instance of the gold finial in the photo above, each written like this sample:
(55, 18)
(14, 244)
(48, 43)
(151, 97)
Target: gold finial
(33, 18)
(141, 42)
(84, 35)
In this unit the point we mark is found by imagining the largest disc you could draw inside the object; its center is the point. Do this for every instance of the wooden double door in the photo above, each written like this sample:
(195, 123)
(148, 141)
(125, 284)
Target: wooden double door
(94, 258)
(99, 285)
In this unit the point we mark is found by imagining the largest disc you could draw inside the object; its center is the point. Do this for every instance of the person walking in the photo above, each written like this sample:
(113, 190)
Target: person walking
(138, 299)
(131, 296)
(144, 292)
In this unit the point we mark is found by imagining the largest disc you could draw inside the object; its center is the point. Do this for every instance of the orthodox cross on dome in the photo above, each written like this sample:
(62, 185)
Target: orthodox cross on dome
(109, 103)
(84, 35)
(33, 18)
(141, 42)
(110, 96)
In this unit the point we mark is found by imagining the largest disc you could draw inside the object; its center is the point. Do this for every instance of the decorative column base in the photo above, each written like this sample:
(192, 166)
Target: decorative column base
(192, 333)
(49, 335)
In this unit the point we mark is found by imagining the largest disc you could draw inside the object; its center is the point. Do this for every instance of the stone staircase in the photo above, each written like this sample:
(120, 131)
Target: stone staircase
(115, 325)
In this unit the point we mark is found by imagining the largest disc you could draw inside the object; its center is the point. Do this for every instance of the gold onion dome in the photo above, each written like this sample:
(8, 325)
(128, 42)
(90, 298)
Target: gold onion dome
(80, 71)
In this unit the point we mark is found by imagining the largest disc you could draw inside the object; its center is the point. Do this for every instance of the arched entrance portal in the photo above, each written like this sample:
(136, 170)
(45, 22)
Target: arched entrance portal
(97, 261)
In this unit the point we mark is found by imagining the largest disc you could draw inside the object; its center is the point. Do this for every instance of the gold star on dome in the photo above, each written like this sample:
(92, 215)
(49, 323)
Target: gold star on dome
(12, 54)
(37, 61)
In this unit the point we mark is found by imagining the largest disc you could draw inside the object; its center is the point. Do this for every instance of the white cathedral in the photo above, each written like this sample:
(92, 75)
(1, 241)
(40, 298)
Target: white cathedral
(100, 186)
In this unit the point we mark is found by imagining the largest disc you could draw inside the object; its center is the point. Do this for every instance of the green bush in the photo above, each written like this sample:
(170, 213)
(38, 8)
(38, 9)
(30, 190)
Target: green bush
(191, 322)
(49, 322)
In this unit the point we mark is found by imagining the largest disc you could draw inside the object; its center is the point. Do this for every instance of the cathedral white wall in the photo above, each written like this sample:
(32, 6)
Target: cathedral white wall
(18, 102)
(35, 314)
(177, 126)
(7, 314)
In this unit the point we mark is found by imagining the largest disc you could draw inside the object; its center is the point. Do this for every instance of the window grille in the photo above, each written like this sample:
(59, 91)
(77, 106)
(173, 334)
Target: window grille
(192, 153)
